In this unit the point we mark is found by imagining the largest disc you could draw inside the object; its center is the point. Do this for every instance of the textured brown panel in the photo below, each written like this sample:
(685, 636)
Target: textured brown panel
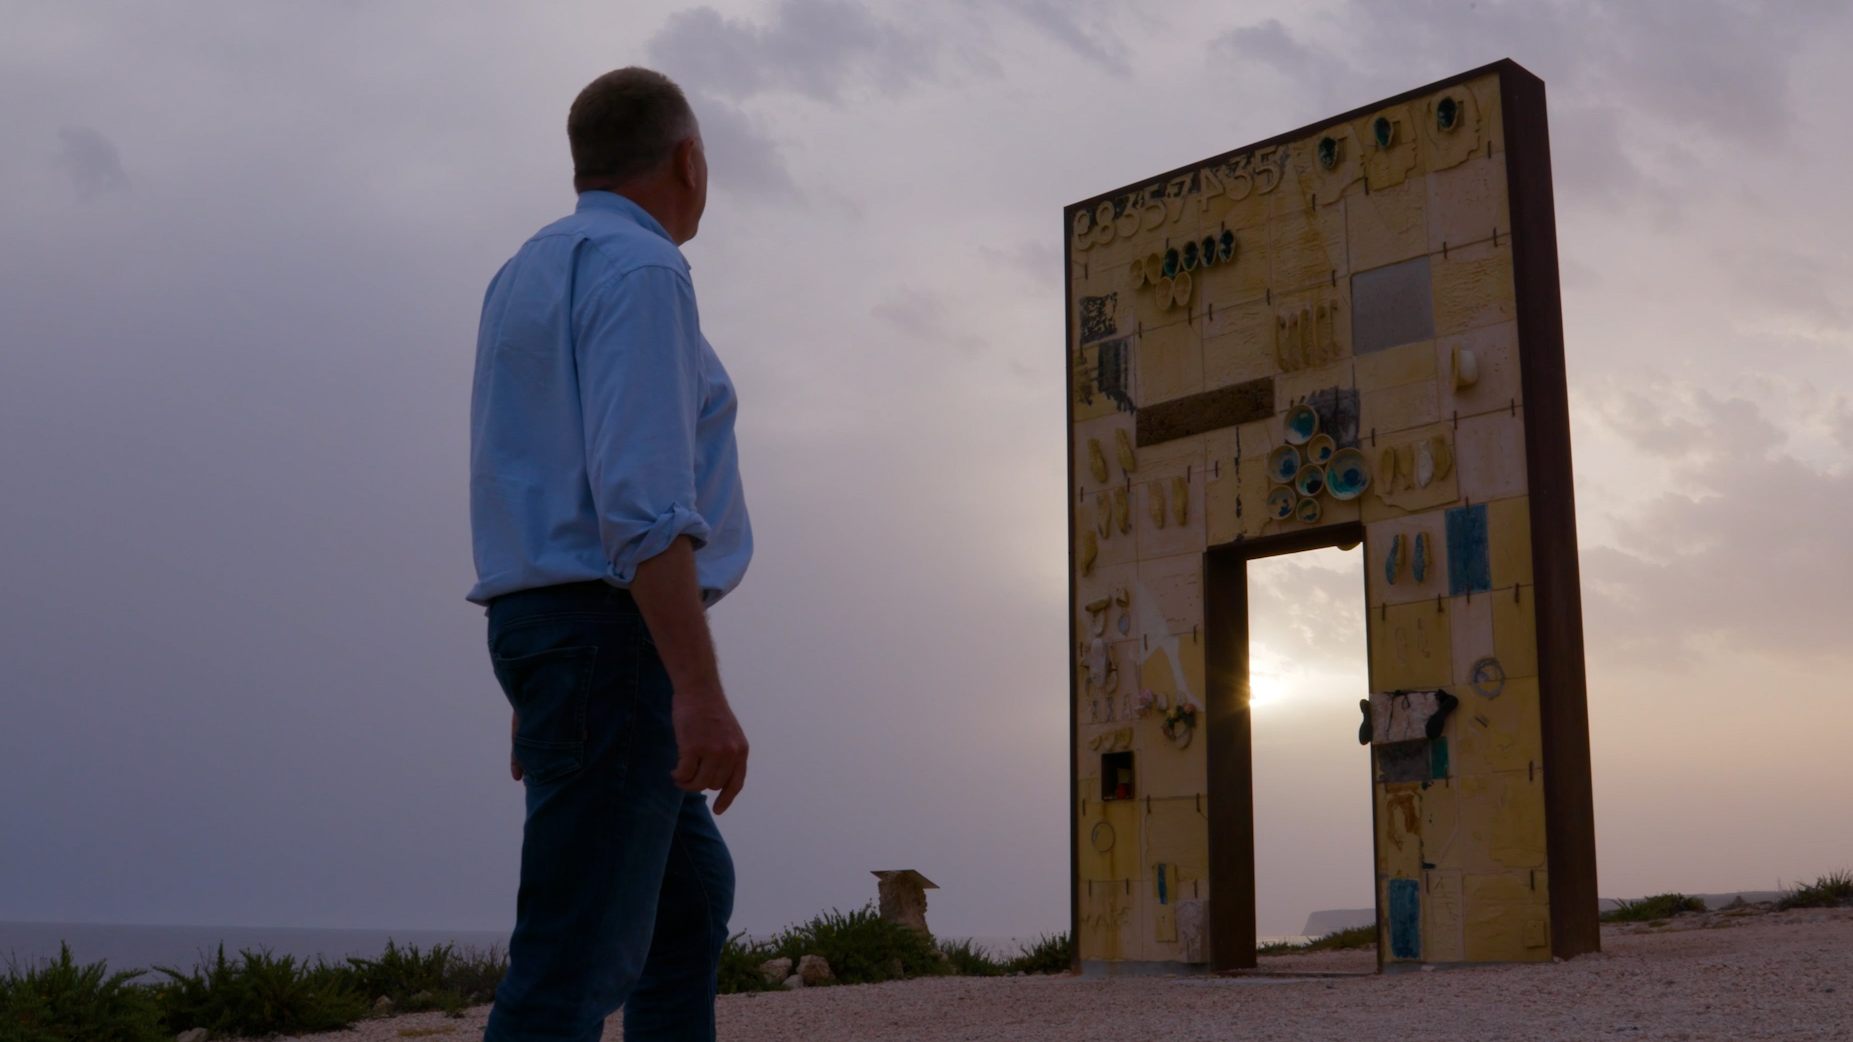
(1563, 704)
(1211, 410)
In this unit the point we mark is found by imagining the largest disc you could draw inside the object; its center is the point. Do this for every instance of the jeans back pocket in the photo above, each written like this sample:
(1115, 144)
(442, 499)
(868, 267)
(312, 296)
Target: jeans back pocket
(548, 691)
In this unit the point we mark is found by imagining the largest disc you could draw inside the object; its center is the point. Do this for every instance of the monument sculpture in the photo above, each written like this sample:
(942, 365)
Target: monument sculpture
(1349, 333)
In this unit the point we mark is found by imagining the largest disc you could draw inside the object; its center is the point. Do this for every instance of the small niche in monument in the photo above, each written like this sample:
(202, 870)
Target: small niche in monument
(1116, 776)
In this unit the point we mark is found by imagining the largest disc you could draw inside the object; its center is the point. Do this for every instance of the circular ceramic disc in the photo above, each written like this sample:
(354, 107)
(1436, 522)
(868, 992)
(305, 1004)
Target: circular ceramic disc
(1347, 475)
(1310, 481)
(1101, 837)
(1302, 424)
(1307, 510)
(1283, 464)
(1281, 503)
(1489, 677)
(1319, 450)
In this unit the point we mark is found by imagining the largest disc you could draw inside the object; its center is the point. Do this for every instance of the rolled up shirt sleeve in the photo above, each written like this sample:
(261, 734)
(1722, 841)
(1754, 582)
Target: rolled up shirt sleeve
(638, 350)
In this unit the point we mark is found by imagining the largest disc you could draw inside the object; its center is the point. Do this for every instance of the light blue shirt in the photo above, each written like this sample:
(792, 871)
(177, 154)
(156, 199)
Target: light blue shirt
(601, 422)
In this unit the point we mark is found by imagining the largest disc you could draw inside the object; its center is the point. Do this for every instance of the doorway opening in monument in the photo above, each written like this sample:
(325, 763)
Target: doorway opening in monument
(1308, 666)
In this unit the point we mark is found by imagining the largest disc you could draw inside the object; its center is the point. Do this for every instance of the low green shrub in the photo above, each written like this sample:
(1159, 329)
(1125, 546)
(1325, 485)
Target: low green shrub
(1833, 890)
(1349, 939)
(1345, 940)
(473, 974)
(1659, 906)
(442, 978)
(62, 1001)
(261, 994)
(739, 967)
(966, 959)
(1048, 953)
(860, 946)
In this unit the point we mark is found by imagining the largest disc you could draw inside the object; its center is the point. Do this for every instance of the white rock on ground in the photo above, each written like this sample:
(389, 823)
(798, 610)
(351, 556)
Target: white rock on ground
(192, 1035)
(775, 970)
(794, 982)
(815, 969)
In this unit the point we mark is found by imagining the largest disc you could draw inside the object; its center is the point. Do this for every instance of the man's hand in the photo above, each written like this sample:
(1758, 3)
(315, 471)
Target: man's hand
(711, 749)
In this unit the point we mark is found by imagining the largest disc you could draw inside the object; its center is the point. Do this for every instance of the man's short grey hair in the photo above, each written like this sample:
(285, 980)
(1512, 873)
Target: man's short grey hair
(627, 123)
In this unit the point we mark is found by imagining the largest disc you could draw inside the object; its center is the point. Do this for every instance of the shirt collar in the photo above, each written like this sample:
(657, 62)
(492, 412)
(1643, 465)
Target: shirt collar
(615, 203)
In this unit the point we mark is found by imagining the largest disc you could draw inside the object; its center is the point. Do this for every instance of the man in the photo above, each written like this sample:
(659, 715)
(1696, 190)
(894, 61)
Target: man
(607, 514)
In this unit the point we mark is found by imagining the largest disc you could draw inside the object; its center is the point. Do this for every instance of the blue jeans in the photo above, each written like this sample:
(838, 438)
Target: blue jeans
(626, 885)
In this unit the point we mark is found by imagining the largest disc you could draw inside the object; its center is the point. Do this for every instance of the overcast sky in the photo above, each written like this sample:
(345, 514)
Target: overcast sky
(242, 249)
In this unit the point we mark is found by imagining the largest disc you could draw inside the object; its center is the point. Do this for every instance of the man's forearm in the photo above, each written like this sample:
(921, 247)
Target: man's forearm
(711, 750)
(669, 596)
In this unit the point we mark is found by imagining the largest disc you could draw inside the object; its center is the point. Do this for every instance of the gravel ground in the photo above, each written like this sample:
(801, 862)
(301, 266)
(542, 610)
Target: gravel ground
(1736, 976)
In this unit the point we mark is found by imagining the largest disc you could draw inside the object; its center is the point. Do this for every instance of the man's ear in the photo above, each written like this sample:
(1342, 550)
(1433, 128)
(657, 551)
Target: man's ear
(685, 162)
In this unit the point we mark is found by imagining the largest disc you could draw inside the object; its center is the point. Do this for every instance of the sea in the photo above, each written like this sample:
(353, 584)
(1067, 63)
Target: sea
(183, 947)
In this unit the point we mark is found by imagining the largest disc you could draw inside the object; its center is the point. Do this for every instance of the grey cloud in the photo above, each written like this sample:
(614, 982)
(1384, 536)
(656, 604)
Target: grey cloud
(1749, 548)
(1785, 279)
(926, 316)
(743, 157)
(1068, 25)
(816, 48)
(1269, 43)
(1703, 70)
(91, 161)
(1036, 259)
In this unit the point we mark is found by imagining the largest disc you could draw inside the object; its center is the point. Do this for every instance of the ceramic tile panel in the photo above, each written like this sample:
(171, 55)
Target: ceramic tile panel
(1168, 500)
(1100, 431)
(1409, 646)
(1497, 734)
(1102, 583)
(1454, 126)
(1169, 596)
(1392, 410)
(1235, 505)
(1473, 287)
(1097, 513)
(1306, 248)
(1245, 276)
(1175, 836)
(1489, 452)
(1170, 362)
(1507, 917)
(1391, 549)
(1244, 350)
(1387, 225)
(1509, 534)
(1470, 634)
(1443, 939)
(1411, 471)
(1396, 367)
(1327, 168)
(1477, 371)
(1515, 630)
(1399, 830)
(1393, 305)
(1467, 203)
(1443, 841)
